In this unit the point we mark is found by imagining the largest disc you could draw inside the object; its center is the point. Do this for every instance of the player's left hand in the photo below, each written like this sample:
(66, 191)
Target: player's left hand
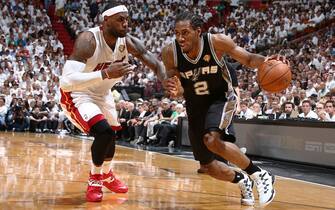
(117, 69)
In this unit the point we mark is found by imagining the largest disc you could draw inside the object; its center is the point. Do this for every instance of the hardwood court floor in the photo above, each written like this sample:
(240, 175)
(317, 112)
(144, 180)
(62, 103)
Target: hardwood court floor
(45, 171)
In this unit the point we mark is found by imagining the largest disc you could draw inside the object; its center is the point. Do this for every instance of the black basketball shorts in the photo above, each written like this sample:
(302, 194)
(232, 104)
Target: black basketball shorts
(217, 117)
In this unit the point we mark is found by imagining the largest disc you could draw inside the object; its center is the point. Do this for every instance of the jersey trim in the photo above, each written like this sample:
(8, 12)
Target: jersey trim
(96, 42)
(221, 63)
(227, 114)
(199, 54)
(113, 51)
(227, 70)
(213, 51)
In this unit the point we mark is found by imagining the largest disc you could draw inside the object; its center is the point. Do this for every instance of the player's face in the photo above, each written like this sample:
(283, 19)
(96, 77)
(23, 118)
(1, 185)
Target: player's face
(186, 36)
(117, 25)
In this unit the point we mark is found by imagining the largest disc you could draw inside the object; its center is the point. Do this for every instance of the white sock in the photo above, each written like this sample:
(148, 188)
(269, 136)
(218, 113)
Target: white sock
(95, 169)
(107, 166)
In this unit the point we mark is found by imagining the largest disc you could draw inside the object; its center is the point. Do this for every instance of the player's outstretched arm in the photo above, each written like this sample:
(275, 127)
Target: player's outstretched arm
(224, 44)
(136, 48)
(172, 84)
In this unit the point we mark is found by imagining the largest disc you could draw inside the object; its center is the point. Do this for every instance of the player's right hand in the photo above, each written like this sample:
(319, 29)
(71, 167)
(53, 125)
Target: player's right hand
(117, 69)
(278, 58)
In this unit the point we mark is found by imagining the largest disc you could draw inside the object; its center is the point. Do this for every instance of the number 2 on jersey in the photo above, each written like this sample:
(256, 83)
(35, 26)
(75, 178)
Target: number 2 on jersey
(201, 88)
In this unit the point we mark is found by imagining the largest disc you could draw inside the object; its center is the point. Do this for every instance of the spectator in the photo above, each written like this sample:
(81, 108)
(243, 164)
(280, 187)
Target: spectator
(330, 109)
(288, 111)
(60, 7)
(256, 109)
(53, 116)
(149, 122)
(245, 113)
(307, 112)
(165, 117)
(167, 133)
(145, 114)
(38, 120)
(320, 111)
(130, 121)
(3, 112)
(310, 89)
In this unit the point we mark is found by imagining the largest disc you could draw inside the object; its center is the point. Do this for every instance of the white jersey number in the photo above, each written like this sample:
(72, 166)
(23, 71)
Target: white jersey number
(201, 88)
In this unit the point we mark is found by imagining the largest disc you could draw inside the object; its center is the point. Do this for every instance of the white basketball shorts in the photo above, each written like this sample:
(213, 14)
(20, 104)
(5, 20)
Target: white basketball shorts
(86, 113)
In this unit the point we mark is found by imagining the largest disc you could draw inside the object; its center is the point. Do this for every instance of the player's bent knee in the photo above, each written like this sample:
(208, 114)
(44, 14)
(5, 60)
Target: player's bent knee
(214, 144)
(103, 141)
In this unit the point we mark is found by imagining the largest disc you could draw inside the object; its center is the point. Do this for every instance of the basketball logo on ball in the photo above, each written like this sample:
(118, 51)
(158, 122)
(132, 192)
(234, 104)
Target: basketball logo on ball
(274, 76)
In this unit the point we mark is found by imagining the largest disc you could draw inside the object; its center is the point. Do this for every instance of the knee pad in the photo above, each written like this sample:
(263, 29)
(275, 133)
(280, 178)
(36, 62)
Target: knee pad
(103, 142)
(109, 154)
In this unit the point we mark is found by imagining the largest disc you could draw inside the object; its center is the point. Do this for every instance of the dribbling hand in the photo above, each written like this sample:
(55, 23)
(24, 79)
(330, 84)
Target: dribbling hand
(278, 58)
(117, 69)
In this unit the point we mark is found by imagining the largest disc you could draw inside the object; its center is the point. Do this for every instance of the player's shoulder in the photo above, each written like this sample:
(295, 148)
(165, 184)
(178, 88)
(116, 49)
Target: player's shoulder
(221, 42)
(85, 36)
(218, 37)
(84, 46)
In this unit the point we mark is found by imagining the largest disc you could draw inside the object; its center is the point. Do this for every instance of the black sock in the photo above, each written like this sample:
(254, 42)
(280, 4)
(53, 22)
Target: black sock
(238, 177)
(252, 168)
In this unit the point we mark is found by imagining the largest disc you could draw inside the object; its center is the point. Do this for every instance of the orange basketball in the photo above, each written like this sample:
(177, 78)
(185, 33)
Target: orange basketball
(274, 76)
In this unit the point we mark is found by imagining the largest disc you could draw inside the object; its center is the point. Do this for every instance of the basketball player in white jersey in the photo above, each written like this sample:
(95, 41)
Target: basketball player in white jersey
(98, 61)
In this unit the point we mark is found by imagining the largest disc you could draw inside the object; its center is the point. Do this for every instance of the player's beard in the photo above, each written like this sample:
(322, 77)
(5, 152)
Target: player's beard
(186, 50)
(116, 33)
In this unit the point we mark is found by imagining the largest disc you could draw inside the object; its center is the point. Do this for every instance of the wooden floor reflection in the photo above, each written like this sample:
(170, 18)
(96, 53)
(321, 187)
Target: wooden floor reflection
(44, 171)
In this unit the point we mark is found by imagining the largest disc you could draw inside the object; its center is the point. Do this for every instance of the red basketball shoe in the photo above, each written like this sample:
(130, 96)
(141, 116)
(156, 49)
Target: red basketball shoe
(113, 184)
(94, 188)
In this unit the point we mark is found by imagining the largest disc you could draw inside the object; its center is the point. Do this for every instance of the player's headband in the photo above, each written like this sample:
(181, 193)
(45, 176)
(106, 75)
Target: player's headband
(114, 10)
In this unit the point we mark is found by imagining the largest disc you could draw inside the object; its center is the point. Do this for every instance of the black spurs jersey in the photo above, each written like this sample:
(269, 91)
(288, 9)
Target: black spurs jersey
(205, 79)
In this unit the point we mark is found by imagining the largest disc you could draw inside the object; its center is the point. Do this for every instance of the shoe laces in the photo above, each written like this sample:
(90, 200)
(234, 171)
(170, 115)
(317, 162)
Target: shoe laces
(262, 182)
(94, 183)
(246, 188)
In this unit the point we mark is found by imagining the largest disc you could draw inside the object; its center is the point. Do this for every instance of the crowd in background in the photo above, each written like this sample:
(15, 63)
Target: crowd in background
(278, 23)
(32, 58)
(31, 61)
(313, 76)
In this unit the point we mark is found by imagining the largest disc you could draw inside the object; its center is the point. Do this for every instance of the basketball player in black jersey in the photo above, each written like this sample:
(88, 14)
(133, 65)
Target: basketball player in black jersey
(230, 138)
(195, 58)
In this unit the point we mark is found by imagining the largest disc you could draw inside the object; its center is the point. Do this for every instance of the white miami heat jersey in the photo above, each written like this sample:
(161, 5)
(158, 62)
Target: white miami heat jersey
(101, 59)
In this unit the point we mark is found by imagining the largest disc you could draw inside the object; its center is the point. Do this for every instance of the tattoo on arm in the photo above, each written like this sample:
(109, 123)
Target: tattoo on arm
(84, 47)
(137, 49)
